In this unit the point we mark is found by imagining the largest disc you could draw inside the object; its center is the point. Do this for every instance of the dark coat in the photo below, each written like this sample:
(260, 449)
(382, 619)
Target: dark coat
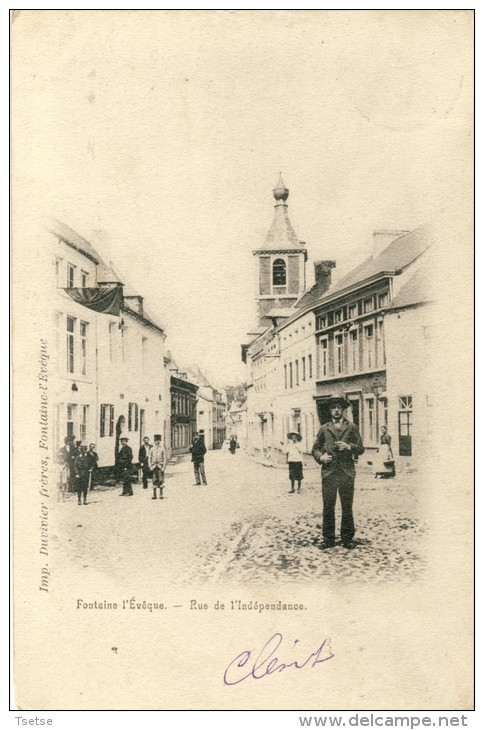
(143, 456)
(325, 444)
(198, 451)
(82, 465)
(124, 459)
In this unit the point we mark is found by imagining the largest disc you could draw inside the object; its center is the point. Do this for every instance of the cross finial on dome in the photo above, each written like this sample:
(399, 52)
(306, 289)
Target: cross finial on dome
(280, 191)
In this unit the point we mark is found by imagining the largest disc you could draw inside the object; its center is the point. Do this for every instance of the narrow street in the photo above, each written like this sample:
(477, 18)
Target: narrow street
(244, 527)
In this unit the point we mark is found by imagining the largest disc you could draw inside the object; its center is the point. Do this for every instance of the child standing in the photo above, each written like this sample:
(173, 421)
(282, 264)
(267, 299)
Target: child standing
(294, 458)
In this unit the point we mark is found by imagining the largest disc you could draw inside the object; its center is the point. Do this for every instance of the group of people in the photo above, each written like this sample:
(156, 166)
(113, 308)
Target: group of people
(152, 461)
(78, 464)
(337, 448)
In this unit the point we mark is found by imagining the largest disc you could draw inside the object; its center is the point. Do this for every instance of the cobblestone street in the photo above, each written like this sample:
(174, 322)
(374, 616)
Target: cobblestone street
(244, 527)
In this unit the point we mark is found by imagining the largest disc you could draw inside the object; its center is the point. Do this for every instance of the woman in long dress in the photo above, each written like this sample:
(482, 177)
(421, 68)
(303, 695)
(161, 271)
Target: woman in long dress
(384, 463)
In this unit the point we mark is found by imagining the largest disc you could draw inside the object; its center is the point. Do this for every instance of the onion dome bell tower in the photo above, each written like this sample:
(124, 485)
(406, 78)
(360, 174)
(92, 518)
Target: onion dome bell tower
(281, 262)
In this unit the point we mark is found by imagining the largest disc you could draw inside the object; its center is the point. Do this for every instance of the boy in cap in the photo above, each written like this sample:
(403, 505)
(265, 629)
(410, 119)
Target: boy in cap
(157, 465)
(337, 444)
(124, 462)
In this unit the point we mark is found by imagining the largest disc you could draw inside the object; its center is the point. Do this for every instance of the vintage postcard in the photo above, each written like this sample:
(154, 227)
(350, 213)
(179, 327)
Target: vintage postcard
(242, 270)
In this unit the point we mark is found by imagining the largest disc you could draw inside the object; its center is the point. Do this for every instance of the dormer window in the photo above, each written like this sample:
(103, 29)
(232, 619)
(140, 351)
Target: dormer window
(279, 273)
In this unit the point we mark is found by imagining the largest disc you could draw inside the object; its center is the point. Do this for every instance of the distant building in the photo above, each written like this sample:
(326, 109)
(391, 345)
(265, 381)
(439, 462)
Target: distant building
(219, 411)
(210, 409)
(236, 422)
(183, 399)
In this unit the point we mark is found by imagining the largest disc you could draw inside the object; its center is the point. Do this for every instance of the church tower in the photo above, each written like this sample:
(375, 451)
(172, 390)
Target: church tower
(281, 269)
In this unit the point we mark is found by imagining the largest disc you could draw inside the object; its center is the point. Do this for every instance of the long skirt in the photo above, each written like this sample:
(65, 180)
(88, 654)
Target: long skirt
(296, 471)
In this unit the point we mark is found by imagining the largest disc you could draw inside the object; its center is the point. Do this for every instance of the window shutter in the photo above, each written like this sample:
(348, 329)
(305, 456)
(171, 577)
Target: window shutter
(101, 424)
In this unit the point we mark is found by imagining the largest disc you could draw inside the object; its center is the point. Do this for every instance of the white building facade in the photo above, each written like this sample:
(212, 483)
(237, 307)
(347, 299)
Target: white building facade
(110, 377)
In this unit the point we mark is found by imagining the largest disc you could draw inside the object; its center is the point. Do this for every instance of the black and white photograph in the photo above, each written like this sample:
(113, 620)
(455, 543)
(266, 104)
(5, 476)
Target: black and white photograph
(242, 316)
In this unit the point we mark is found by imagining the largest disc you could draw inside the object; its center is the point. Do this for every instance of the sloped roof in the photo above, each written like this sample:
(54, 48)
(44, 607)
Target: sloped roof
(312, 295)
(418, 289)
(281, 234)
(396, 256)
(171, 362)
(201, 377)
(107, 274)
(73, 239)
(145, 317)
(399, 254)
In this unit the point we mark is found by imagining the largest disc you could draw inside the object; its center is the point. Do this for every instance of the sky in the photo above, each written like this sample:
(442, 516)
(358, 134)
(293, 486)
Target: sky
(166, 132)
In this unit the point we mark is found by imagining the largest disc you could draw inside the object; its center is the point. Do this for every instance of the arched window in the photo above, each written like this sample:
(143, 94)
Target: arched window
(279, 273)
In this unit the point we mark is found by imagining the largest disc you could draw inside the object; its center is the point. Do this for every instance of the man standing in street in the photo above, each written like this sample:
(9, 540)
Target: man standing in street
(144, 460)
(82, 467)
(337, 444)
(124, 463)
(198, 450)
(94, 465)
(157, 465)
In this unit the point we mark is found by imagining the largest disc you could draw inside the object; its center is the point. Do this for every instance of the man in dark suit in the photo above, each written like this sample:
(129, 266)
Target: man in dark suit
(198, 450)
(337, 444)
(144, 460)
(124, 463)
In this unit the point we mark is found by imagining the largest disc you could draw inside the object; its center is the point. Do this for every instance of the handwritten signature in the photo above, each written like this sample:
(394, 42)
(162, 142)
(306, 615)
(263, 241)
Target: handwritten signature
(245, 666)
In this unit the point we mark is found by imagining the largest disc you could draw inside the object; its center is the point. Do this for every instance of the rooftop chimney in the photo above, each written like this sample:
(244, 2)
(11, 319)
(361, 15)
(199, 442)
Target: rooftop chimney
(322, 274)
(135, 302)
